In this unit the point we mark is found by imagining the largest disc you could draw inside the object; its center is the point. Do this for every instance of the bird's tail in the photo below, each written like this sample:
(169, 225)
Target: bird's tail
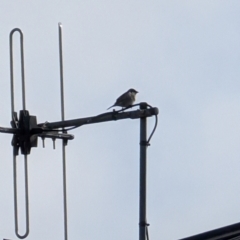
(111, 106)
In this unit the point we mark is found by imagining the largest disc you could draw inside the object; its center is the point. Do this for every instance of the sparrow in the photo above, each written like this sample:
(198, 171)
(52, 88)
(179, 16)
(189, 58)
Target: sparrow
(126, 99)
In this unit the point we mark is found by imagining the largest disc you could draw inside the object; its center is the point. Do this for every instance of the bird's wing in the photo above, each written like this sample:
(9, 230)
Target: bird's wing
(120, 100)
(122, 97)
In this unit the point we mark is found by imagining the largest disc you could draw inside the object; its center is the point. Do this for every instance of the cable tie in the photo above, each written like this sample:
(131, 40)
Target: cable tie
(144, 224)
(144, 143)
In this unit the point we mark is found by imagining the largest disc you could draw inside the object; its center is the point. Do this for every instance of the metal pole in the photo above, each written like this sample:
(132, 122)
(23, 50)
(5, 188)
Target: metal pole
(143, 176)
(63, 142)
(109, 116)
(61, 70)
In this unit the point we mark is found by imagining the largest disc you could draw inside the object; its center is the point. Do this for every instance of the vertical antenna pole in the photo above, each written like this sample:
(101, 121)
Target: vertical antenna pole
(63, 142)
(61, 70)
(14, 155)
(143, 177)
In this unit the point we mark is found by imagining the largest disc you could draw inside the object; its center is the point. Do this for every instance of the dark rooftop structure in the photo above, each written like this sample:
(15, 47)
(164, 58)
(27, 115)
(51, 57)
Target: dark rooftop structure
(231, 232)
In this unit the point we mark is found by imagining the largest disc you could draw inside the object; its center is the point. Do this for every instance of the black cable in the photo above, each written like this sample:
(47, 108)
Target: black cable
(154, 129)
(147, 235)
(156, 120)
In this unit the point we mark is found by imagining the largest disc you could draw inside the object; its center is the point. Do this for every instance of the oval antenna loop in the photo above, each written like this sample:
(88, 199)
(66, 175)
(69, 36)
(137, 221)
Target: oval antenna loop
(15, 124)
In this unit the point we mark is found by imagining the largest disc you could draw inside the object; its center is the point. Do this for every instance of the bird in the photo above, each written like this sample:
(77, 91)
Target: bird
(126, 99)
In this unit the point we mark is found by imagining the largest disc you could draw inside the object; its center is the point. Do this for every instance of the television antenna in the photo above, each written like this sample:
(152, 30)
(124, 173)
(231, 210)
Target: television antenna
(26, 131)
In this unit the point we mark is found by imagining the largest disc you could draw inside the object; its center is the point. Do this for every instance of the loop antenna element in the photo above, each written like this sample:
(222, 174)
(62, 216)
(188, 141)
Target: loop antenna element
(14, 118)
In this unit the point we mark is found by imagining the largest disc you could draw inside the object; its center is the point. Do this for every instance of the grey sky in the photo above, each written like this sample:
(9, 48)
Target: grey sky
(183, 57)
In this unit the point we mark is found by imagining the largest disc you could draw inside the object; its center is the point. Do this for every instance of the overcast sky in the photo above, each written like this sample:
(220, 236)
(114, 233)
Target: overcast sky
(183, 57)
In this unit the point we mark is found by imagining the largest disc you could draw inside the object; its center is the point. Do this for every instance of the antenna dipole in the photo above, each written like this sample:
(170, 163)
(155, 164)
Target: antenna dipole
(63, 141)
(26, 131)
(15, 122)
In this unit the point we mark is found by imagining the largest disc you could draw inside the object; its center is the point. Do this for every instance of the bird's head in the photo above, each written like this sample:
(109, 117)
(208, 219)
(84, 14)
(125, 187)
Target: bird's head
(132, 91)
